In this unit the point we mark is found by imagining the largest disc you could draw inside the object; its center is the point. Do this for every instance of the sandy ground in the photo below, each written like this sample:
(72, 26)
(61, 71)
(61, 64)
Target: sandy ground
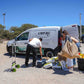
(33, 75)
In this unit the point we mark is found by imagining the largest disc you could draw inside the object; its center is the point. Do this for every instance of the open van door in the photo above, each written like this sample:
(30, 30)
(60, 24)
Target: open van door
(72, 30)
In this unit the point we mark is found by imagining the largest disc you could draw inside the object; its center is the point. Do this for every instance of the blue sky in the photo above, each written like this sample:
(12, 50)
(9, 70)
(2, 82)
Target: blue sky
(41, 12)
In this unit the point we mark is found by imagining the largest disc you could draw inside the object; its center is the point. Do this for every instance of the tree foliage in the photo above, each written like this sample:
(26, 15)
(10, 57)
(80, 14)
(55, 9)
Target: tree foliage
(1, 27)
(17, 30)
(82, 29)
(14, 31)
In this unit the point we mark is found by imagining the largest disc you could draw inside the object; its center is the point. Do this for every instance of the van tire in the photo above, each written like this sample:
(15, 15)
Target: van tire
(49, 53)
(10, 50)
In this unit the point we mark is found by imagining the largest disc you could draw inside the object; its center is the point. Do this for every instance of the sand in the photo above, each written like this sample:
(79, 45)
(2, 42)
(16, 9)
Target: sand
(33, 75)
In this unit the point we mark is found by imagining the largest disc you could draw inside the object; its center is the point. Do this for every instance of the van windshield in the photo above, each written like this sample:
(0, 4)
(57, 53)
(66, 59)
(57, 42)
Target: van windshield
(23, 36)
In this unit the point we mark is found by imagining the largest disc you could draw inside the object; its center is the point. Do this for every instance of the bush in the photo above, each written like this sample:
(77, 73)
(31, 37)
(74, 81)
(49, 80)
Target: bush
(1, 41)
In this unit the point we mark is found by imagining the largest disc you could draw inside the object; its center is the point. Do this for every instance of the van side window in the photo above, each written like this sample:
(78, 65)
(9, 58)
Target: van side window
(23, 36)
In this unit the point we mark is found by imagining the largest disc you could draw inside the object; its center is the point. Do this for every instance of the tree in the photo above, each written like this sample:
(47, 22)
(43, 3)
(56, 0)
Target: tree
(82, 29)
(15, 31)
(27, 26)
(1, 27)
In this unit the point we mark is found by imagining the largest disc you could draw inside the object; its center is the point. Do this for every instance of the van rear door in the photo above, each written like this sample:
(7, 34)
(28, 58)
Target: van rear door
(72, 30)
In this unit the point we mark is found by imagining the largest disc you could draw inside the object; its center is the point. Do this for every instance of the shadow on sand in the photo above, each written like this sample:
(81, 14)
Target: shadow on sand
(77, 70)
(17, 55)
(8, 70)
(20, 56)
(29, 65)
(61, 72)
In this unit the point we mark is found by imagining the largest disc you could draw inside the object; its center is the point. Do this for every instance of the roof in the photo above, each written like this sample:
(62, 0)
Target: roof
(44, 28)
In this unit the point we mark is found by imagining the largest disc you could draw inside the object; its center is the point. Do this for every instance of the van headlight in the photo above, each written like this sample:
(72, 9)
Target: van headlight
(8, 44)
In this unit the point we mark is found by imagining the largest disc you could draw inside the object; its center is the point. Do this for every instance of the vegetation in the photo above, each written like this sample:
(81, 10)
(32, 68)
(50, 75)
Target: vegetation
(13, 31)
(82, 29)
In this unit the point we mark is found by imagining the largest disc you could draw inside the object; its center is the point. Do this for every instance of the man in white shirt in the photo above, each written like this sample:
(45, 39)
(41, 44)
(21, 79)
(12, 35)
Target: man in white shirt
(33, 43)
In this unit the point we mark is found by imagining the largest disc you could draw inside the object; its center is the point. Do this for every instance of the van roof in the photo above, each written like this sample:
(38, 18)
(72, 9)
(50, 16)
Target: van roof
(44, 27)
(73, 25)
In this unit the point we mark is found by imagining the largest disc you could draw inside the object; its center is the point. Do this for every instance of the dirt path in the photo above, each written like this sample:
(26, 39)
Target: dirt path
(33, 75)
(3, 51)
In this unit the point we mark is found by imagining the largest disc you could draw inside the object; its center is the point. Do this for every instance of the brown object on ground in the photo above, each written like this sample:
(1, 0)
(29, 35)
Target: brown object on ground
(45, 58)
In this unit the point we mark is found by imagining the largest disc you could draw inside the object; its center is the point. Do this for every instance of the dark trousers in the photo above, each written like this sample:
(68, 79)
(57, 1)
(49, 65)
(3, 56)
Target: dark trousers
(30, 48)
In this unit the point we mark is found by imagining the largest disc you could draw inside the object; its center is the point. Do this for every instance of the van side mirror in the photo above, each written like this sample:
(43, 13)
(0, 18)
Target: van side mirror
(15, 39)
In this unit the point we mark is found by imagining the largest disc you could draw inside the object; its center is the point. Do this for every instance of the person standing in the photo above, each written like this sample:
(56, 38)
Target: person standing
(74, 40)
(33, 43)
(69, 61)
(63, 59)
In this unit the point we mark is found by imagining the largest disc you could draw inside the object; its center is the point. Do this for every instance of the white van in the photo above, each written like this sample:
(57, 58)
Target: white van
(49, 34)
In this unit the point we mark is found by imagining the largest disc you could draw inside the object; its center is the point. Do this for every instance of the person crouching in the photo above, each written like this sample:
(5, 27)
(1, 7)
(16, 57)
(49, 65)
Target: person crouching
(33, 43)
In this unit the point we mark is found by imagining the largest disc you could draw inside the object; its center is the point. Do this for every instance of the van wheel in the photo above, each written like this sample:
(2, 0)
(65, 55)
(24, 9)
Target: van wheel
(10, 50)
(49, 54)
